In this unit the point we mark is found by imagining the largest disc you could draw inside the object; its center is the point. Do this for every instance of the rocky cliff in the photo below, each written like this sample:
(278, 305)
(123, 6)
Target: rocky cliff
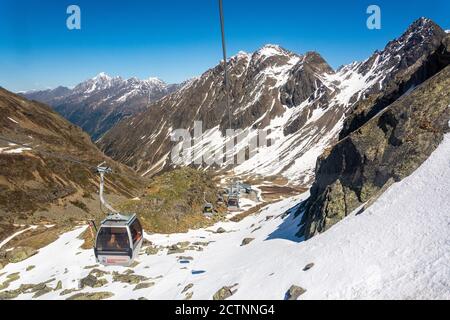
(386, 139)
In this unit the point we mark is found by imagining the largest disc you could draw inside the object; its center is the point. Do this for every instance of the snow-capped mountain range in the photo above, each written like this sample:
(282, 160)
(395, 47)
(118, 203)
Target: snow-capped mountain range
(97, 104)
(299, 99)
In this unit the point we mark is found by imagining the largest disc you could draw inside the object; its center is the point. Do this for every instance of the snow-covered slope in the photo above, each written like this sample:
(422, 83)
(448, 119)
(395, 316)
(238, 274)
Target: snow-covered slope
(396, 249)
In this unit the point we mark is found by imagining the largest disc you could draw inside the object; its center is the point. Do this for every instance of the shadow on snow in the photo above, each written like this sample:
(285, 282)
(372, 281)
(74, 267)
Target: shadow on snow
(288, 230)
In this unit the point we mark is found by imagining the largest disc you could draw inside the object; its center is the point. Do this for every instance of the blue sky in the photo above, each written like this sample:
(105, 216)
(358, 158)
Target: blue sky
(175, 40)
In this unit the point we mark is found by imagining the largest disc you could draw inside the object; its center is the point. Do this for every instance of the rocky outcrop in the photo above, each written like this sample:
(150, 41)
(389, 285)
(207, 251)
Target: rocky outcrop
(225, 292)
(303, 80)
(143, 285)
(128, 278)
(308, 267)
(386, 149)
(92, 281)
(246, 241)
(423, 53)
(19, 254)
(91, 296)
(37, 290)
(294, 292)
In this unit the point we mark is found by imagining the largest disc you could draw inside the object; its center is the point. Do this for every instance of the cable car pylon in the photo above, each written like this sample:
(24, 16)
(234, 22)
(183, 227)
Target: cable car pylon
(102, 170)
(119, 237)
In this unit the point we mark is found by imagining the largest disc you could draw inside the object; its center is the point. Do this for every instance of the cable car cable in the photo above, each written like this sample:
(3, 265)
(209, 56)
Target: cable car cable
(224, 51)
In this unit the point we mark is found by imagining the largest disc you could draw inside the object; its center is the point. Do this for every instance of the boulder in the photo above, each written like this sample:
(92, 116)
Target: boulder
(92, 281)
(382, 150)
(308, 266)
(173, 249)
(294, 292)
(221, 230)
(98, 273)
(246, 241)
(188, 287)
(151, 250)
(29, 268)
(185, 258)
(224, 293)
(128, 278)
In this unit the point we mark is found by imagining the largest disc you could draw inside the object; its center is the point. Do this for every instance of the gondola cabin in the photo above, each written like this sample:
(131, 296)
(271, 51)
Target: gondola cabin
(119, 240)
(233, 203)
(208, 210)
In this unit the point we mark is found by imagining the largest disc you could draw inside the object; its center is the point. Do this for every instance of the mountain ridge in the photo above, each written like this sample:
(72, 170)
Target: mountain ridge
(98, 103)
(300, 99)
(385, 138)
(50, 166)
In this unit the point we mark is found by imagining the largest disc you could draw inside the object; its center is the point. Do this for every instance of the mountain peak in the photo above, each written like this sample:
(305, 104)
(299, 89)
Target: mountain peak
(269, 50)
(156, 81)
(102, 76)
(423, 26)
(422, 35)
(315, 59)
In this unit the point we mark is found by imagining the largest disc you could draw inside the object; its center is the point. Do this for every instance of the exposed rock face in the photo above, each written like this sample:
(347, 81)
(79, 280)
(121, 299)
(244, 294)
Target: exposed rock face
(20, 254)
(303, 79)
(411, 59)
(247, 241)
(389, 133)
(97, 104)
(386, 149)
(32, 180)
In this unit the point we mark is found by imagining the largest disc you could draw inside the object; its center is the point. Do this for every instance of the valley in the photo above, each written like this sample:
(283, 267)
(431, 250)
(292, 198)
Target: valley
(352, 185)
(334, 265)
